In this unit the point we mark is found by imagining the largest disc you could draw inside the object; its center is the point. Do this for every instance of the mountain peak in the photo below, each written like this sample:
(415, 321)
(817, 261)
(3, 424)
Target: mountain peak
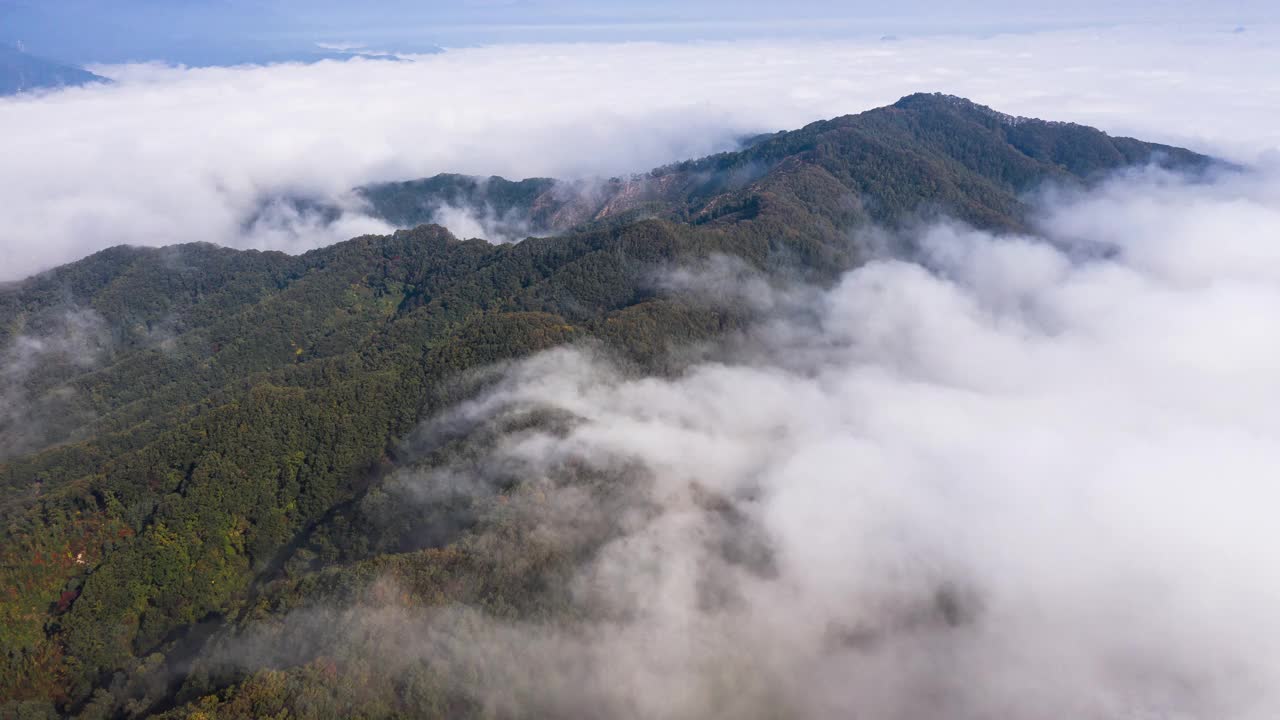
(955, 103)
(864, 167)
(21, 71)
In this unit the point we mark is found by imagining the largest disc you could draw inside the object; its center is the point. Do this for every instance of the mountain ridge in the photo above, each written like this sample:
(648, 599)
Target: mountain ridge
(194, 439)
(697, 189)
(22, 72)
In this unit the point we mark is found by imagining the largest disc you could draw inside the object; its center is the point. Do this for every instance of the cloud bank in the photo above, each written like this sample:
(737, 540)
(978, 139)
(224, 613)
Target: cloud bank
(1015, 475)
(168, 155)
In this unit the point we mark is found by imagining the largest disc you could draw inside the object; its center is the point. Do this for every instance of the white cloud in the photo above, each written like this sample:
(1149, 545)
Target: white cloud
(170, 155)
(483, 223)
(33, 410)
(1015, 478)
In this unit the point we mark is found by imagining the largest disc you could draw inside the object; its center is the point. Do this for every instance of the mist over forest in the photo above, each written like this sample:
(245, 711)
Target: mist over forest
(907, 371)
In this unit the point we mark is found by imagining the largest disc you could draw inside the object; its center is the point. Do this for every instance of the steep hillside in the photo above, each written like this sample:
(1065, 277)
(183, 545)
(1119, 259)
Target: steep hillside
(197, 440)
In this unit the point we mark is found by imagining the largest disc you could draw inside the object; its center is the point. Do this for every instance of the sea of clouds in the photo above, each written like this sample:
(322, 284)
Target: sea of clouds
(171, 154)
(1010, 476)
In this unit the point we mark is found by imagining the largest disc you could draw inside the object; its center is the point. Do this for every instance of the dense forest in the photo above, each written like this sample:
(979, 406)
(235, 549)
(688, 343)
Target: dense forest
(203, 451)
(926, 153)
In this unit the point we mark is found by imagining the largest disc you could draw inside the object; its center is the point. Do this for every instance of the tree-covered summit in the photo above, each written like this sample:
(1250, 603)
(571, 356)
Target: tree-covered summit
(926, 152)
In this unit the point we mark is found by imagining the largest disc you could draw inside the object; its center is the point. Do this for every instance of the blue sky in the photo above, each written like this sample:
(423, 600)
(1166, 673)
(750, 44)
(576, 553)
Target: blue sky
(212, 32)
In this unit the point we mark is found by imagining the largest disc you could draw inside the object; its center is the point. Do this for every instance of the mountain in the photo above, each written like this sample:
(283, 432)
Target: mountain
(22, 72)
(925, 153)
(199, 445)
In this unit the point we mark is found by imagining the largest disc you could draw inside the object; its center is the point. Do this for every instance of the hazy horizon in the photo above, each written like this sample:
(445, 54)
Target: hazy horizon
(231, 32)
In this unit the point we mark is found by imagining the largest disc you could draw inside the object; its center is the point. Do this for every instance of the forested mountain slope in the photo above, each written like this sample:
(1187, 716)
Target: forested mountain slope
(924, 153)
(195, 440)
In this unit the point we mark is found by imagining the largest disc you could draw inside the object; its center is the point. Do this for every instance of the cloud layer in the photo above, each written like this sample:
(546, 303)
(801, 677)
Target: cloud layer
(1018, 474)
(171, 155)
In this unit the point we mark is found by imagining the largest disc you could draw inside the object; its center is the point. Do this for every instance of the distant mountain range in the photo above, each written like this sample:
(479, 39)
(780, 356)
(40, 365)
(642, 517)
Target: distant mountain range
(195, 441)
(23, 72)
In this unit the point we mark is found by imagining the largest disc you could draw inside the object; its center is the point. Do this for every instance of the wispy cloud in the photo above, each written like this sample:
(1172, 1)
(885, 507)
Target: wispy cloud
(36, 405)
